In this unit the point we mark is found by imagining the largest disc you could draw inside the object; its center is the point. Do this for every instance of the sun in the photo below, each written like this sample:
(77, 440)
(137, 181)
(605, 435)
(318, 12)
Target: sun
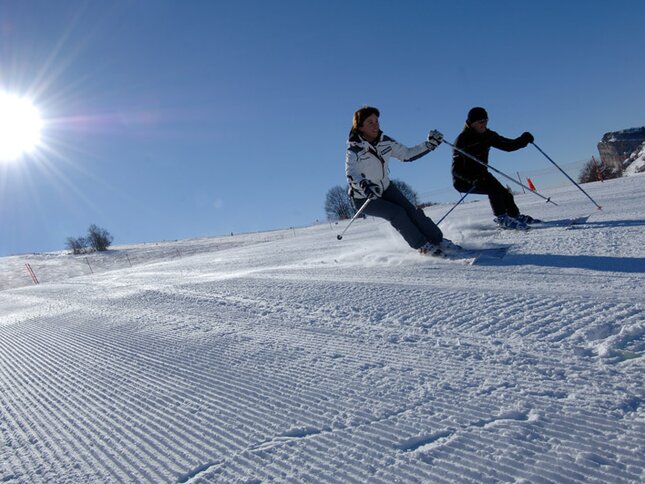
(20, 125)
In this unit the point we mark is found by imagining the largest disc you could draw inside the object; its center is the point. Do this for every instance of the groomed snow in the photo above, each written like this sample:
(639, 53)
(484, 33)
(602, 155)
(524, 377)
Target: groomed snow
(290, 356)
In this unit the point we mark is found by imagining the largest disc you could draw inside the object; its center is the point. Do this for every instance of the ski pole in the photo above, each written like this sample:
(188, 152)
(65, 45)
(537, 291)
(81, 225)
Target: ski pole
(455, 205)
(360, 210)
(565, 174)
(548, 199)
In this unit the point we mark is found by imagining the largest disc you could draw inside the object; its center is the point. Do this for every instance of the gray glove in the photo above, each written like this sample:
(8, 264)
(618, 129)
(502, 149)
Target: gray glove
(434, 139)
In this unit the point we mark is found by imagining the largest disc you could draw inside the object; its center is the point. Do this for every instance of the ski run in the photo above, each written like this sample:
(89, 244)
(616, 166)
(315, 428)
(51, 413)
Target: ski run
(290, 356)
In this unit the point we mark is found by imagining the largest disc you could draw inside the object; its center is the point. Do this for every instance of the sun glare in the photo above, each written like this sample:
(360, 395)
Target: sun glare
(20, 126)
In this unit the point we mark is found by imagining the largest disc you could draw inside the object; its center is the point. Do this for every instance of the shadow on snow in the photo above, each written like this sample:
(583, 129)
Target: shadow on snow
(589, 224)
(590, 262)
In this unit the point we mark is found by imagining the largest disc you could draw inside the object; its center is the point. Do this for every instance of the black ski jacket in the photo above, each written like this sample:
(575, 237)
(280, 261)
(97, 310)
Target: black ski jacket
(466, 171)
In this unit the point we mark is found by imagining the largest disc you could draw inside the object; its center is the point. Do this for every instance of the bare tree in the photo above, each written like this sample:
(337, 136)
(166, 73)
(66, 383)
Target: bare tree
(595, 171)
(77, 245)
(99, 239)
(338, 205)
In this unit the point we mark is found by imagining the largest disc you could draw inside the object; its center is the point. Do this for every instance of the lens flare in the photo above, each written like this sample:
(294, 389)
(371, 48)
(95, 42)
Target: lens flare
(20, 126)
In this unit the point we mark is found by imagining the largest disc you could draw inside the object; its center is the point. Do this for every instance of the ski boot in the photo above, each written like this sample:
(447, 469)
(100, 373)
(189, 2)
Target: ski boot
(527, 219)
(509, 223)
(450, 248)
(432, 250)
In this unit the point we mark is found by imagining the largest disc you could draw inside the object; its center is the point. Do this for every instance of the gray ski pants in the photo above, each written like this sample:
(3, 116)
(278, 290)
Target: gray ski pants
(410, 221)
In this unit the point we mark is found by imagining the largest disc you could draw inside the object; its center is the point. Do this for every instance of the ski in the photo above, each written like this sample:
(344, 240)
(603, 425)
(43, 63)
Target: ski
(471, 256)
(577, 221)
(567, 223)
(490, 253)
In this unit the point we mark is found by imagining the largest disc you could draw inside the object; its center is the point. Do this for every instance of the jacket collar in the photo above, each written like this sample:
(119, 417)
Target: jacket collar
(472, 132)
(357, 139)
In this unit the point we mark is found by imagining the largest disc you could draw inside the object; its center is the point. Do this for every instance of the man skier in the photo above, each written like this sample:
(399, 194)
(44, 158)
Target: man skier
(469, 176)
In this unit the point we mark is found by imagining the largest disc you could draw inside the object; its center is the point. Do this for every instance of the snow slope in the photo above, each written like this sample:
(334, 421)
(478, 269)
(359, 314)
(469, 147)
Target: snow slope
(290, 356)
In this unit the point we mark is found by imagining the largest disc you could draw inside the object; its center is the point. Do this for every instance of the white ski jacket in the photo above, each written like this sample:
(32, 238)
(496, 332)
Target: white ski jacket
(369, 161)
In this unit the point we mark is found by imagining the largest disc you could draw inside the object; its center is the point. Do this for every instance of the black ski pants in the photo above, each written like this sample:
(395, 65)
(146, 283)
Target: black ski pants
(413, 225)
(500, 198)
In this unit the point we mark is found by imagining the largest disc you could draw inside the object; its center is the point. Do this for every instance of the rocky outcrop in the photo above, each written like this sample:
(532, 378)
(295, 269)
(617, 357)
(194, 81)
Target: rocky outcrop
(636, 162)
(615, 147)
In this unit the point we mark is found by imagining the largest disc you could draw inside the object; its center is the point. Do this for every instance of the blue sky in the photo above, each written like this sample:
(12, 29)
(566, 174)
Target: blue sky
(176, 119)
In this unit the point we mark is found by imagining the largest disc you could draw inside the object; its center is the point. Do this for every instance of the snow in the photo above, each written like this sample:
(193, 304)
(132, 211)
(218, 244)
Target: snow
(291, 356)
(636, 162)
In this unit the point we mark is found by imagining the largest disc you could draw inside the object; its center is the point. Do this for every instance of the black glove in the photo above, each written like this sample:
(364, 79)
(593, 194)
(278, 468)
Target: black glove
(527, 137)
(369, 189)
(434, 139)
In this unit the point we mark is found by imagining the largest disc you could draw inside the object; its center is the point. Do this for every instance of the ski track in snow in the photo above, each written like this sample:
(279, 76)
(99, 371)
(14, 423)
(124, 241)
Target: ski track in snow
(289, 356)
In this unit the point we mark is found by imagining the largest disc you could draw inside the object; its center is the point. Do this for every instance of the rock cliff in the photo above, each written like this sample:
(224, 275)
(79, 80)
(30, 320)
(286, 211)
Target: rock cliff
(615, 147)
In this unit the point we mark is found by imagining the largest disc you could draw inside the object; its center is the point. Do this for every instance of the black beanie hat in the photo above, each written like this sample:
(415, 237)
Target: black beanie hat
(476, 114)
